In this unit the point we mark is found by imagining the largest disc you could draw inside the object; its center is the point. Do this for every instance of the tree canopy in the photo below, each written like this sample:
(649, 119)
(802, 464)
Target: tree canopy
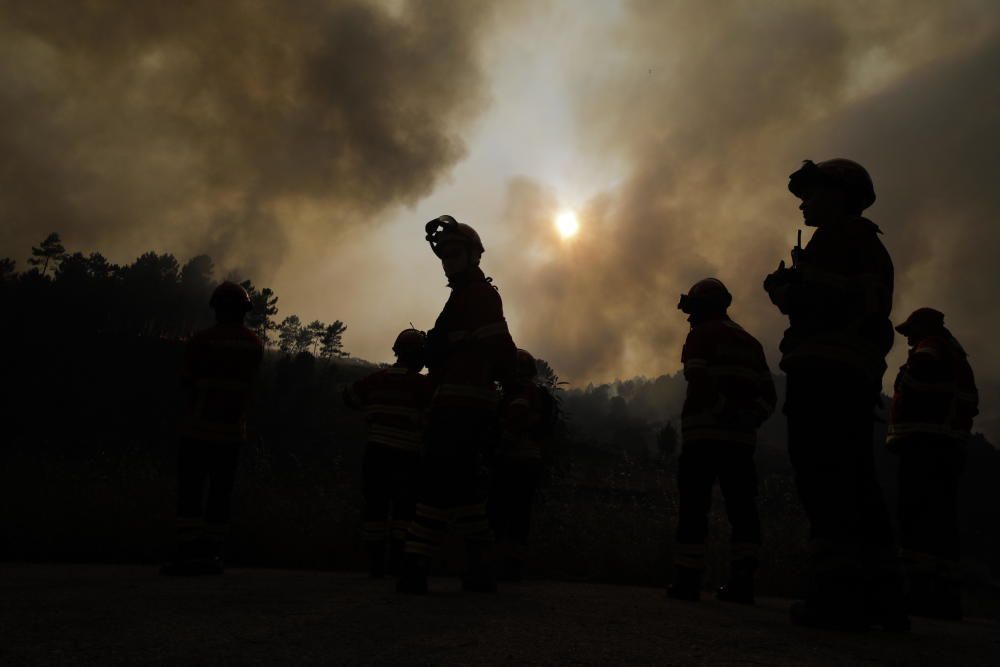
(155, 295)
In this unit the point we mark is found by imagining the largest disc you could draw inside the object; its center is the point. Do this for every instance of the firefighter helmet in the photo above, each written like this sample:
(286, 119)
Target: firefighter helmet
(446, 229)
(527, 367)
(848, 175)
(708, 295)
(922, 320)
(410, 343)
(231, 297)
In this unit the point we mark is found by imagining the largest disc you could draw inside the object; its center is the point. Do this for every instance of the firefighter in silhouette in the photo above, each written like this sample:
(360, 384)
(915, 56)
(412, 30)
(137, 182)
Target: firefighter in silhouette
(468, 351)
(934, 403)
(527, 416)
(218, 370)
(837, 295)
(730, 393)
(394, 401)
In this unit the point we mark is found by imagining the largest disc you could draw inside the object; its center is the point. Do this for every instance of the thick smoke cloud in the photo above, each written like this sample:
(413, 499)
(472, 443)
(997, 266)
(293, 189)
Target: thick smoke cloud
(258, 131)
(218, 127)
(711, 106)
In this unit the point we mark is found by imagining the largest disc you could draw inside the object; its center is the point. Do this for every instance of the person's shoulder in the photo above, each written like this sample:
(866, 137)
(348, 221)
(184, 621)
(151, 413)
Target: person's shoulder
(717, 330)
(859, 230)
(213, 335)
(739, 332)
(938, 344)
(238, 335)
(700, 331)
(248, 335)
(483, 290)
(402, 379)
(228, 335)
(930, 347)
(699, 340)
(378, 375)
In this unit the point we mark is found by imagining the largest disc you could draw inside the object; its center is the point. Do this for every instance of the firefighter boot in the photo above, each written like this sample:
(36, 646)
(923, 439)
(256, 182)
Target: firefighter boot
(686, 585)
(413, 576)
(376, 559)
(740, 588)
(480, 577)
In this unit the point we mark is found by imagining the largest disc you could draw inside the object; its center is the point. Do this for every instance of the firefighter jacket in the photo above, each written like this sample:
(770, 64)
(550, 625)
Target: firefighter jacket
(218, 371)
(394, 401)
(470, 348)
(839, 299)
(730, 390)
(527, 415)
(935, 391)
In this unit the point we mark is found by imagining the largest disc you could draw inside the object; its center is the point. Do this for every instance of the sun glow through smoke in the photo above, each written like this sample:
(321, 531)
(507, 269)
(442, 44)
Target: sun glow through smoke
(567, 224)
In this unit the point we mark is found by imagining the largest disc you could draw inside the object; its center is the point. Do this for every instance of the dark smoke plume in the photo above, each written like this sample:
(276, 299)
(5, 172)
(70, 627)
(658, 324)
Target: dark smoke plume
(711, 108)
(219, 127)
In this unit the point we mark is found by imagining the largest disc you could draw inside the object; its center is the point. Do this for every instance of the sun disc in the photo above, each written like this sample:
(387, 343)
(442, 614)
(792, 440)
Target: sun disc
(567, 224)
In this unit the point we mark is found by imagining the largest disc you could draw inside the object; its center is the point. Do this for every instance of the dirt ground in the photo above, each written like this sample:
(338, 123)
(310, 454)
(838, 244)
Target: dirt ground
(110, 615)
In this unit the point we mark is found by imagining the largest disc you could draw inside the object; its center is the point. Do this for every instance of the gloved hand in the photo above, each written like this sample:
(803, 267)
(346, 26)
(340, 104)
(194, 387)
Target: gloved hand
(777, 284)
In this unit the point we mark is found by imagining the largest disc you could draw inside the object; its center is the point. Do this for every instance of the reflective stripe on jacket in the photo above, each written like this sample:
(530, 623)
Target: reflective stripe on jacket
(935, 391)
(394, 401)
(470, 347)
(730, 390)
(839, 302)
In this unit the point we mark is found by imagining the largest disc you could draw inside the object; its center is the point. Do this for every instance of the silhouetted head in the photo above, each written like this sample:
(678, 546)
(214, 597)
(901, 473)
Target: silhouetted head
(921, 323)
(707, 299)
(831, 190)
(525, 366)
(230, 302)
(410, 348)
(456, 244)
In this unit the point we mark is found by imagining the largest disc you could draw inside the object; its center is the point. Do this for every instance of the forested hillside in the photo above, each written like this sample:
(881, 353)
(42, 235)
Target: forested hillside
(90, 353)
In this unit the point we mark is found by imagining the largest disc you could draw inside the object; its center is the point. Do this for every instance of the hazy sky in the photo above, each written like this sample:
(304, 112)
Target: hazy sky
(305, 144)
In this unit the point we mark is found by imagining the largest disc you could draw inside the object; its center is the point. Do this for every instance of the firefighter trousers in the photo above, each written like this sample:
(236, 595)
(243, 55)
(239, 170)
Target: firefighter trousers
(831, 446)
(701, 464)
(206, 472)
(512, 491)
(929, 470)
(451, 486)
(388, 477)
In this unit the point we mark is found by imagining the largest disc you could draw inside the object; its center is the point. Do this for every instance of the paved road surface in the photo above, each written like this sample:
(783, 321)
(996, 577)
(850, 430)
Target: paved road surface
(110, 615)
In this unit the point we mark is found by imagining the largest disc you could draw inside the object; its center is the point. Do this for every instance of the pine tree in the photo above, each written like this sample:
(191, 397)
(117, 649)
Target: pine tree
(6, 268)
(314, 335)
(331, 345)
(264, 307)
(51, 251)
(289, 332)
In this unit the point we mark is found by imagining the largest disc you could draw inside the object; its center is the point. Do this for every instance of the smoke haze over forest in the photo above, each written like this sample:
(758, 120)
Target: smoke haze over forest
(304, 144)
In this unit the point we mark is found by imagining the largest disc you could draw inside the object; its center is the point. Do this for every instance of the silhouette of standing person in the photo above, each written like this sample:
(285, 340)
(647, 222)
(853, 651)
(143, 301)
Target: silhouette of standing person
(933, 406)
(838, 296)
(527, 414)
(394, 401)
(730, 393)
(468, 350)
(218, 370)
